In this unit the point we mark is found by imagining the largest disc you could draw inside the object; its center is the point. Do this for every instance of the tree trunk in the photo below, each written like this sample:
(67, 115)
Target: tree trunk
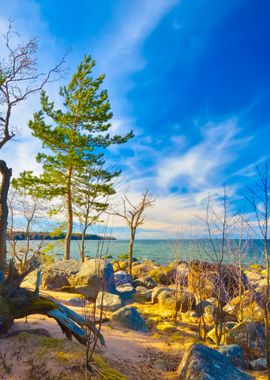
(6, 174)
(130, 250)
(70, 216)
(17, 303)
(83, 244)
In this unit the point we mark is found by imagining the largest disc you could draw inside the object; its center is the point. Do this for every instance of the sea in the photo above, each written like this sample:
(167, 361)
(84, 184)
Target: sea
(161, 251)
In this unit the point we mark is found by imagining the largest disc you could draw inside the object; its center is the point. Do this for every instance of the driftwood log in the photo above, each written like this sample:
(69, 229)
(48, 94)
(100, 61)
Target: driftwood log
(17, 302)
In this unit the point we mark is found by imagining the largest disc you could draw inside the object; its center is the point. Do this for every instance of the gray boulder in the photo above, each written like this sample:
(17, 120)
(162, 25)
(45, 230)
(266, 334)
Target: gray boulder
(146, 282)
(259, 364)
(76, 301)
(53, 278)
(108, 301)
(204, 363)
(129, 317)
(235, 354)
(200, 307)
(158, 290)
(141, 289)
(122, 277)
(249, 336)
(125, 291)
(93, 276)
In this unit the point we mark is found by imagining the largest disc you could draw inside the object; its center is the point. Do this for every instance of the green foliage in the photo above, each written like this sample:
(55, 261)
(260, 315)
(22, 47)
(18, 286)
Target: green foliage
(77, 135)
(75, 138)
(123, 256)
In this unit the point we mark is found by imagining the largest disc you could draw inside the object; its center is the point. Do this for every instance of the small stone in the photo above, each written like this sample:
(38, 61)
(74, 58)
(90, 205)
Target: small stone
(258, 364)
(129, 317)
(108, 301)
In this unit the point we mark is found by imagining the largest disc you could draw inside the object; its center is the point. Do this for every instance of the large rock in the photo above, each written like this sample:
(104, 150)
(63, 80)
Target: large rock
(259, 364)
(200, 307)
(203, 280)
(146, 282)
(141, 269)
(167, 298)
(235, 354)
(226, 327)
(253, 277)
(129, 317)
(158, 290)
(108, 301)
(204, 363)
(121, 277)
(246, 307)
(94, 275)
(179, 274)
(54, 275)
(249, 336)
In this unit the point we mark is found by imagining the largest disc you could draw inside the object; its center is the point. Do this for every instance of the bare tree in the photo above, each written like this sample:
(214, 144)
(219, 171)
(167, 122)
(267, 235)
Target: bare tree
(92, 192)
(19, 78)
(30, 210)
(260, 202)
(134, 218)
(219, 223)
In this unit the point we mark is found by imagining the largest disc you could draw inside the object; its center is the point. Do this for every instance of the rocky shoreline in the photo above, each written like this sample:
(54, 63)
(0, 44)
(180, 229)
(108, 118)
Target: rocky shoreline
(149, 301)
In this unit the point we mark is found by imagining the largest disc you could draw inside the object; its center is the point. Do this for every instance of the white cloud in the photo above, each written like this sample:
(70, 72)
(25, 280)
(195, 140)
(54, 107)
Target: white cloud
(218, 147)
(121, 47)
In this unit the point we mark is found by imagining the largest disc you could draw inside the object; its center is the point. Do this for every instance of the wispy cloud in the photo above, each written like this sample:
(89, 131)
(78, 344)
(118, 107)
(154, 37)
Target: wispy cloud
(219, 146)
(121, 48)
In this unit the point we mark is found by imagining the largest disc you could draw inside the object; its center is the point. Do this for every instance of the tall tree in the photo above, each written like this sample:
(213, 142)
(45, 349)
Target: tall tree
(19, 78)
(133, 214)
(76, 139)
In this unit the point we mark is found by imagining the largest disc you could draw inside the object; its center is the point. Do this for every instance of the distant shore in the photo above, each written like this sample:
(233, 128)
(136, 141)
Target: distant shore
(20, 235)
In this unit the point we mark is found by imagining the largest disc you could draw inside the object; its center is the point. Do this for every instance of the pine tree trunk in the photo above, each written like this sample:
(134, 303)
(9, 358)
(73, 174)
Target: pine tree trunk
(69, 216)
(6, 174)
(83, 245)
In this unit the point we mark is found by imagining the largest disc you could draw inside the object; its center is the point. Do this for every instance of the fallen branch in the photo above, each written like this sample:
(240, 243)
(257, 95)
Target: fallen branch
(17, 302)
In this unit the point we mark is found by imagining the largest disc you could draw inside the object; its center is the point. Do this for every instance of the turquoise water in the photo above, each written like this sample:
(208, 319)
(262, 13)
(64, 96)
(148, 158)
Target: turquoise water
(162, 251)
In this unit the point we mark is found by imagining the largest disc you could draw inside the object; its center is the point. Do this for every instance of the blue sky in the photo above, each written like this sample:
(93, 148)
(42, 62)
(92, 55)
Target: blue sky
(190, 77)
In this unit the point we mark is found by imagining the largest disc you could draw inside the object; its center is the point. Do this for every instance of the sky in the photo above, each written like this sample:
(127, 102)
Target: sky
(191, 78)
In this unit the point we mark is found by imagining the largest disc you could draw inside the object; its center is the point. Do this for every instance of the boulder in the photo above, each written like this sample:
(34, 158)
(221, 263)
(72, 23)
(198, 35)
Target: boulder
(253, 277)
(143, 268)
(158, 290)
(248, 306)
(179, 274)
(141, 289)
(249, 336)
(76, 301)
(200, 307)
(203, 280)
(54, 275)
(235, 354)
(109, 301)
(143, 295)
(120, 265)
(163, 275)
(259, 364)
(147, 282)
(53, 279)
(168, 298)
(125, 291)
(226, 327)
(129, 317)
(204, 363)
(121, 277)
(94, 275)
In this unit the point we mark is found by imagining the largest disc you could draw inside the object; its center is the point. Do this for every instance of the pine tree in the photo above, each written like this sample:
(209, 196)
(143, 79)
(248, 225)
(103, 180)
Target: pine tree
(74, 141)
